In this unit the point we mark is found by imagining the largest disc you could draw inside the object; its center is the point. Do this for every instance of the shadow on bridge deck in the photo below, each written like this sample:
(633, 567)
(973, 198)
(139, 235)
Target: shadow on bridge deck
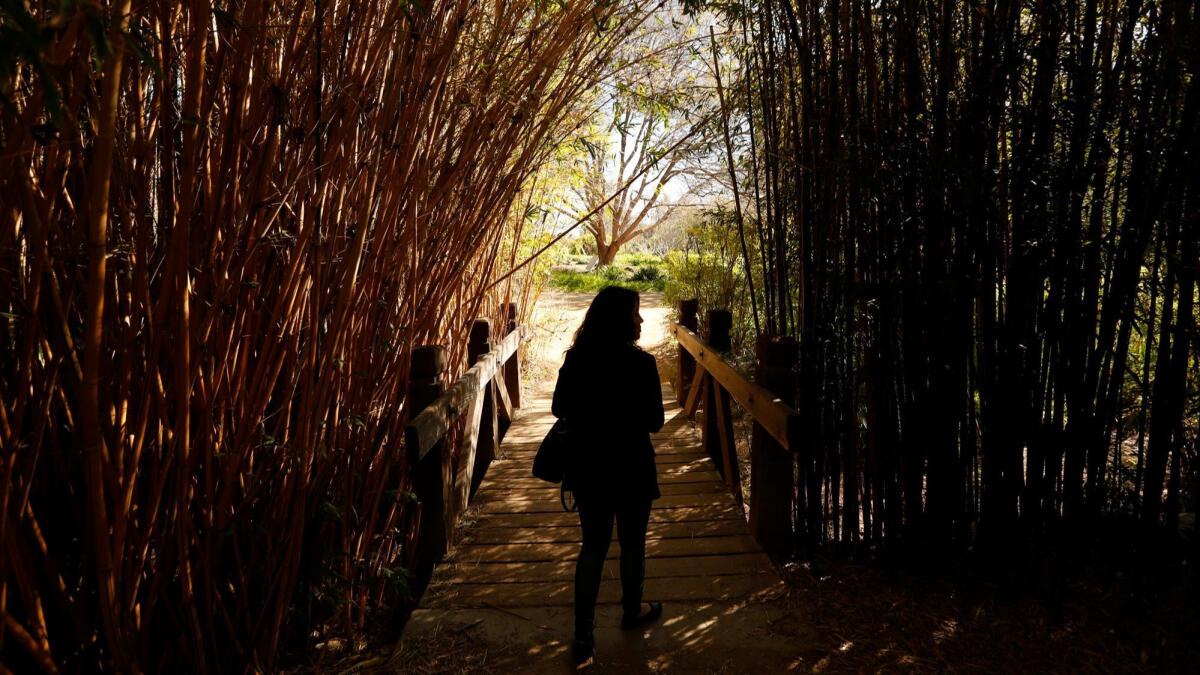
(506, 589)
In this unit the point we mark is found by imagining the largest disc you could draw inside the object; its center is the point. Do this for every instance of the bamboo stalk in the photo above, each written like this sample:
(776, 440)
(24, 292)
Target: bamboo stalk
(244, 358)
(980, 266)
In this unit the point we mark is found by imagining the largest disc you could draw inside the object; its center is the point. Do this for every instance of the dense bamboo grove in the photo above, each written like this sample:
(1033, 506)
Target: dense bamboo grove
(223, 229)
(982, 220)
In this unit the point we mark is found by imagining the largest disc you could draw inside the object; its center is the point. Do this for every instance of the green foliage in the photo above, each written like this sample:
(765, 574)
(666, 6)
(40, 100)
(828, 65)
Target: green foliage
(710, 268)
(647, 274)
(579, 249)
(26, 39)
(730, 9)
(398, 589)
(641, 272)
(23, 40)
(638, 259)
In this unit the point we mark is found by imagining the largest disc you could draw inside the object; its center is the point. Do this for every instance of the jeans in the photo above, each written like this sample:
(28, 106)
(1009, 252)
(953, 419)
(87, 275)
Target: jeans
(596, 520)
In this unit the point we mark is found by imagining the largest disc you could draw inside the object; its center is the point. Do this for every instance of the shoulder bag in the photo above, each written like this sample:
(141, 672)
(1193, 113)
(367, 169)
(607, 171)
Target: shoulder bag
(552, 459)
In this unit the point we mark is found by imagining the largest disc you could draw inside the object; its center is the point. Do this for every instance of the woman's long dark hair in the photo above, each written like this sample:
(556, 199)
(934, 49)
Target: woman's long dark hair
(609, 320)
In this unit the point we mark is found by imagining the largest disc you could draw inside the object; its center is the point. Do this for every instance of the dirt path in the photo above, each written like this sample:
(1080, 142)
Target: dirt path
(558, 314)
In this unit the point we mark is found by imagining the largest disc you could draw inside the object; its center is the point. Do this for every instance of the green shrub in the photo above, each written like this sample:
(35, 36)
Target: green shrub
(610, 275)
(711, 269)
(638, 259)
(642, 272)
(647, 274)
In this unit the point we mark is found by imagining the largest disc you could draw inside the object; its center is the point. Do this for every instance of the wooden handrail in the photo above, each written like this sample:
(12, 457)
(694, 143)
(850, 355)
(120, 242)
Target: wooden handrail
(776, 417)
(775, 439)
(443, 478)
(432, 423)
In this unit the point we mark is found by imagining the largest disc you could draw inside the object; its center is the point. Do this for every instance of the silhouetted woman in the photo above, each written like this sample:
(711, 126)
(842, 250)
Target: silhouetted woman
(608, 390)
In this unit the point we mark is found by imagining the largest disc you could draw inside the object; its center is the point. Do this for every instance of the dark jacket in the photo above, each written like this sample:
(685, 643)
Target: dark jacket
(612, 400)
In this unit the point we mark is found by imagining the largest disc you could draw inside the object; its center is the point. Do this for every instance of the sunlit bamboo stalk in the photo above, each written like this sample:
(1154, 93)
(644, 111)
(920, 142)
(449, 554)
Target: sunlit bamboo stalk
(232, 370)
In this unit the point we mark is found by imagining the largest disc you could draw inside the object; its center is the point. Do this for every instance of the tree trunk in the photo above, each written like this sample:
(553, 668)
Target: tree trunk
(606, 253)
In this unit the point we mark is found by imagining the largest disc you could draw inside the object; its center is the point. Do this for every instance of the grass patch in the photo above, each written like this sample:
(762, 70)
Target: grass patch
(641, 272)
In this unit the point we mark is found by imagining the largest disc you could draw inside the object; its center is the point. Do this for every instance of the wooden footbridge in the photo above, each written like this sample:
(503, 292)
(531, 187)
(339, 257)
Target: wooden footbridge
(506, 549)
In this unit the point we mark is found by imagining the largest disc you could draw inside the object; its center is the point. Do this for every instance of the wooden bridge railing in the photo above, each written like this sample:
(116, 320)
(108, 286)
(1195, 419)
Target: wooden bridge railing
(707, 378)
(445, 479)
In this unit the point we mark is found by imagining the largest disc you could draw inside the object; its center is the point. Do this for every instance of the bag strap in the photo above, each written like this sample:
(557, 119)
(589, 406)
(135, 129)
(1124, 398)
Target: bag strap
(562, 495)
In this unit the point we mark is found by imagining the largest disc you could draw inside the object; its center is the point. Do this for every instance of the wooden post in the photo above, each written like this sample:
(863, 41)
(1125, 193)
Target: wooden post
(688, 310)
(770, 464)
(718, 438)
(719, 328)
(512, 369)
(485, 451)
(432, 479)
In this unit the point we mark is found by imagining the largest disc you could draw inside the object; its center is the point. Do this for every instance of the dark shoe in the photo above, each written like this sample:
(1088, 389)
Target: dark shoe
(582, 653)
(629, 622)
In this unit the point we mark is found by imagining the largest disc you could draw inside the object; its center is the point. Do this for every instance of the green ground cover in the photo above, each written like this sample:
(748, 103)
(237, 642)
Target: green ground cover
(642, 272)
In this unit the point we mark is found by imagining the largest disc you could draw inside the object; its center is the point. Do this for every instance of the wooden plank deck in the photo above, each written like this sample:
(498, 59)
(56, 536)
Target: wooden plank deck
(511, 577)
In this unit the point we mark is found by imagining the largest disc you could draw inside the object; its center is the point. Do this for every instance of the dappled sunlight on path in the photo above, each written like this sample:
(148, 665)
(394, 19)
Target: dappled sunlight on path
(504, 595)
